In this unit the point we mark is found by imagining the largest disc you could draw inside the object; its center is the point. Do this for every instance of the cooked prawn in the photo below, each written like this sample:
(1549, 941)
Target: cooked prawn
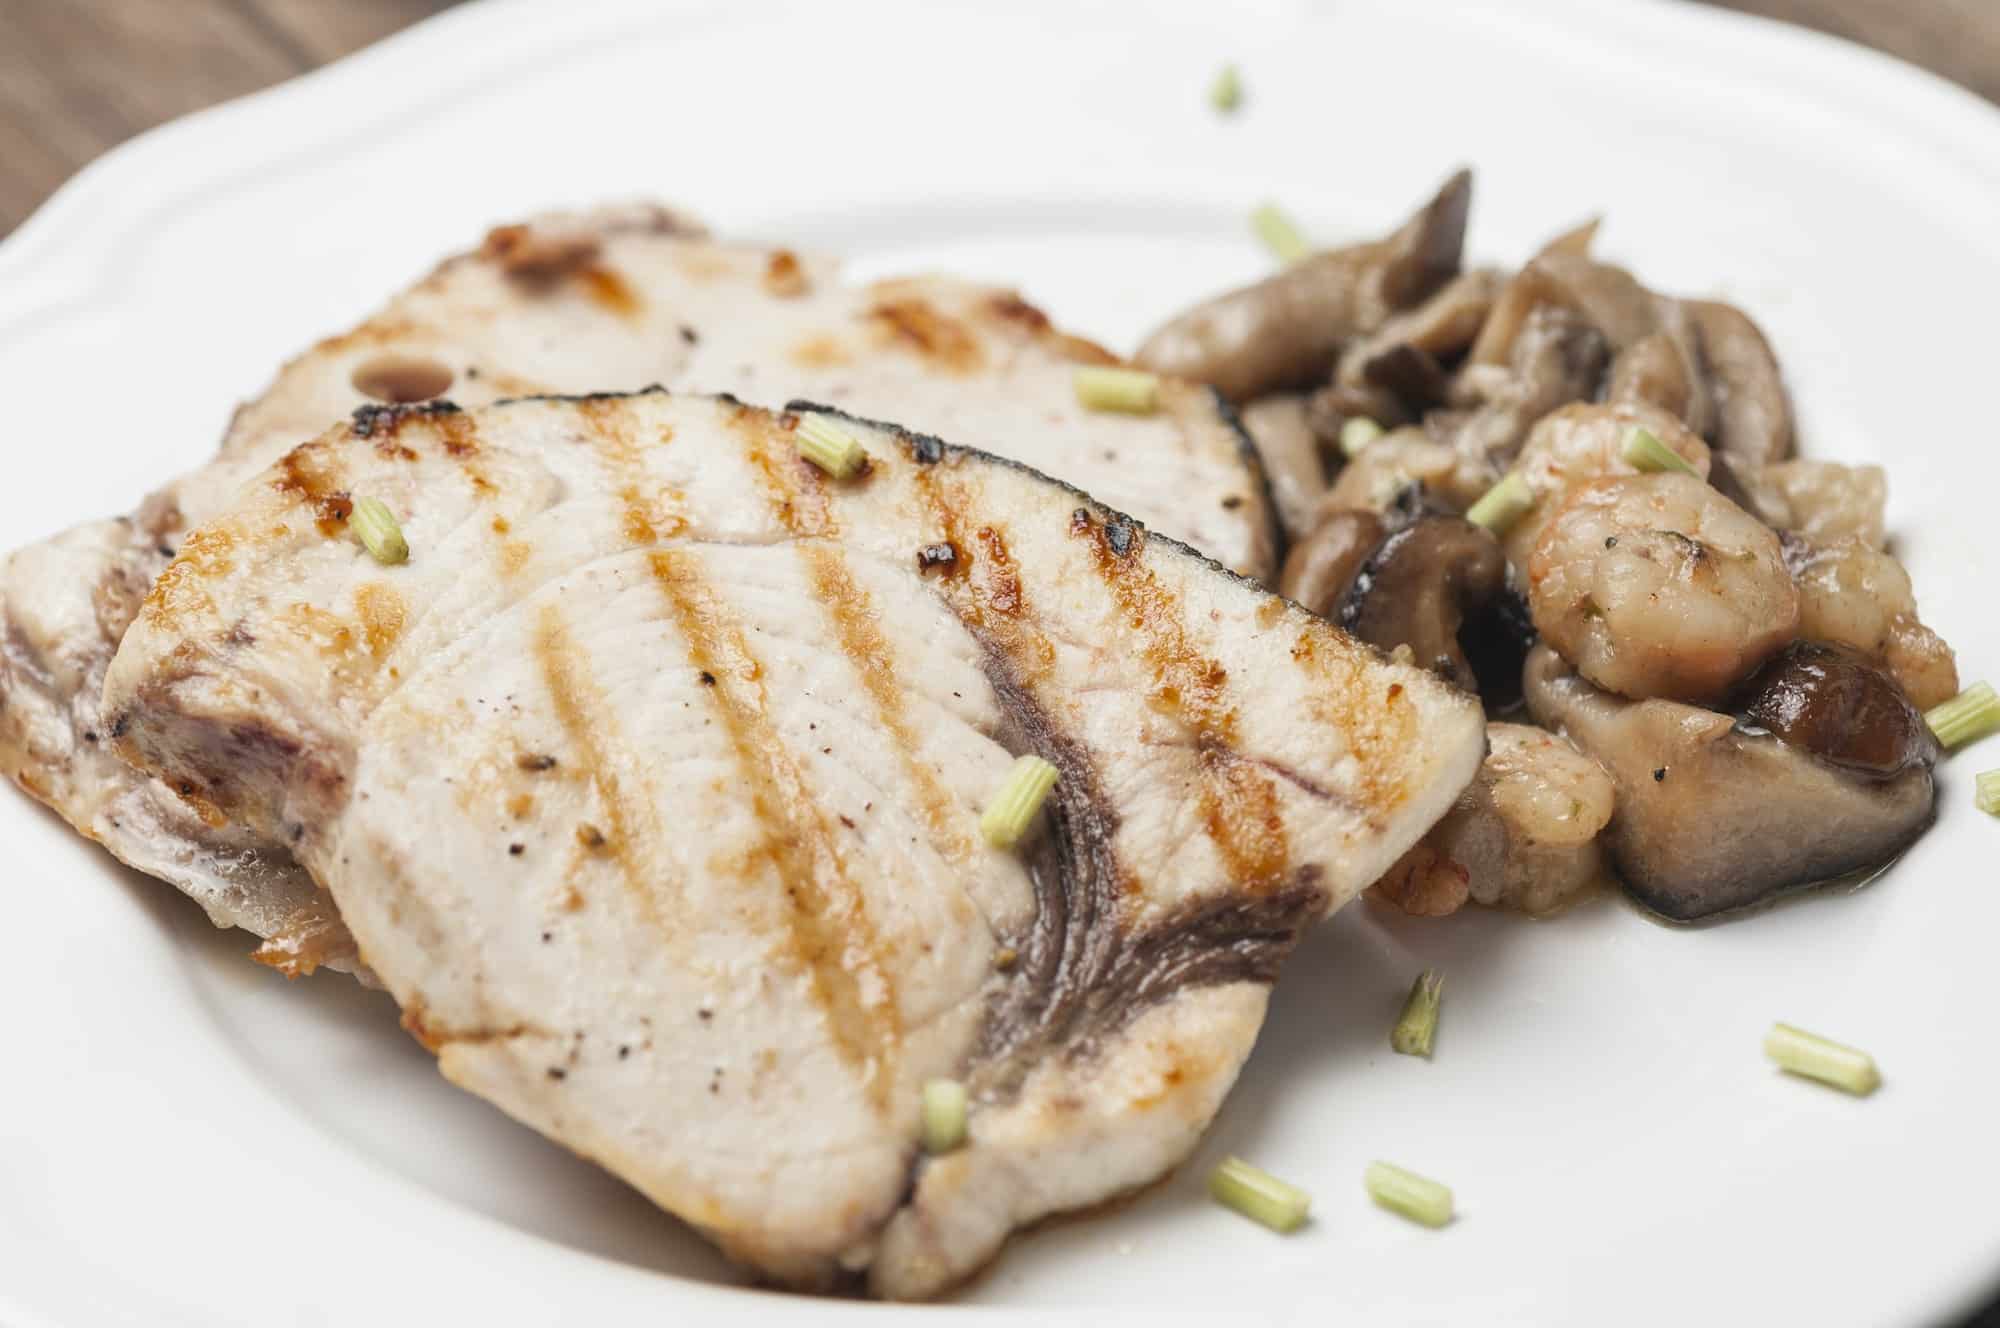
(1657, 585)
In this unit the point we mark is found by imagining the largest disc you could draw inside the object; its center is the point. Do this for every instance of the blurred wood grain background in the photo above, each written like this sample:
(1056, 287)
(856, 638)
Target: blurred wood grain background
(80, 76)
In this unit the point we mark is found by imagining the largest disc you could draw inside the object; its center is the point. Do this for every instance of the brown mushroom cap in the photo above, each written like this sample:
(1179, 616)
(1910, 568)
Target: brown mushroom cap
(1286, 330)
(1429, 585)
(1837, 705)
(1753, 425)
(1715, 815)
(1321, 567)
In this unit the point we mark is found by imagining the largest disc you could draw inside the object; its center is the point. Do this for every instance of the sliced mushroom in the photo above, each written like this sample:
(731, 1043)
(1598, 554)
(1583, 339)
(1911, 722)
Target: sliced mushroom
(1714, 814)
(1666, 368)
(1821, 500)
(1286, 330)
(1321, 566)
(1443, 326)
(1557, 358)
(1334, 405)
(1858, 596)
(1281, 428)
(1428, 585)
(1523, 836)
(1606, 297)
(1753, 414)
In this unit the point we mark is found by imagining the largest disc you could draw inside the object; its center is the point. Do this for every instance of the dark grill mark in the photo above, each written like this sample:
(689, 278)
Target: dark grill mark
(933, 556)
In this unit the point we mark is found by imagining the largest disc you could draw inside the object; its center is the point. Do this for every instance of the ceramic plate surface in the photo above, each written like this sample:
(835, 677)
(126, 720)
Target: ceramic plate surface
(187, 1139)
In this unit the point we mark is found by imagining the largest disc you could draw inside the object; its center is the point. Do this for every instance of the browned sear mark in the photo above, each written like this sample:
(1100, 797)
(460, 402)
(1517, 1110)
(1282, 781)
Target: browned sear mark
(831, 936)
(914, 322)
(932, 557)
(785, 276)
(538, 258)
(535, 762)
(610, 291)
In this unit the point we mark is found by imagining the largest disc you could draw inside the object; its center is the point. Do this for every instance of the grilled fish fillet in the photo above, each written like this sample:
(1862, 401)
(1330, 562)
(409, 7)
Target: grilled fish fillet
(650, 787)
(611, 300)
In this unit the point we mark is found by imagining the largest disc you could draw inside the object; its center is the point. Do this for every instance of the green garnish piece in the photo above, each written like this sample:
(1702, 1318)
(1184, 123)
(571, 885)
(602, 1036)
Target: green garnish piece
(1284, 239)
(1416, 1197)
(1973, 713)
(1013, 807)
(944, 1115)
(1986, 792)
(1258, 1195)
(830, 447)
(1130, 391)
(1646, 452)
(1226, 93)
(1815, 1057)
(376, 526)
(1417, 1029)
(1356, 434)
(1503, 504)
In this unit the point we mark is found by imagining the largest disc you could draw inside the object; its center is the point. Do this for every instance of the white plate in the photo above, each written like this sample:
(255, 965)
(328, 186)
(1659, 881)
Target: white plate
(184, 1138)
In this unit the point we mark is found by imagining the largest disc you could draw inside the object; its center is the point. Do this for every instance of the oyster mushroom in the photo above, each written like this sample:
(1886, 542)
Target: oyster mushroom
(1439, 586)
(1753, 416)
(1323, 564)
(1287, 329)
(1524, 835)
(1280, 427)
(1405, 354)
(1827, 771)
(1557, 358)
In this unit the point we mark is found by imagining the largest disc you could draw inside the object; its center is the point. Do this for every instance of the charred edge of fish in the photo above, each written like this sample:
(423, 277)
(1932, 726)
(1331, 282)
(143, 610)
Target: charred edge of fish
(1119, 534)
(374, 417)
(929, 450)
(580, 398)
(925, 449)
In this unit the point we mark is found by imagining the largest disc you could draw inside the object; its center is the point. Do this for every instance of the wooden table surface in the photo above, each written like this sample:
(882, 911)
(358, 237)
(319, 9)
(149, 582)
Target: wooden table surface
(80, 76)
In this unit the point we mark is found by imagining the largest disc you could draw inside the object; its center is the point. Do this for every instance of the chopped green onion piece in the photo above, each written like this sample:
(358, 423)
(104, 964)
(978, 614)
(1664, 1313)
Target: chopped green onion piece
(944, 1115)
(1415, 1197)
(1258, 1195)
(380, 535)
(1646, 452)
(1418, 1027)
(1356, 434)
(1814, 1057)
(1986, 792)
(830, 447)
(1502, 505)
(1973, 713)
(1226, 93)
(1133, 391)
(1007, 816)
(1279, 235)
